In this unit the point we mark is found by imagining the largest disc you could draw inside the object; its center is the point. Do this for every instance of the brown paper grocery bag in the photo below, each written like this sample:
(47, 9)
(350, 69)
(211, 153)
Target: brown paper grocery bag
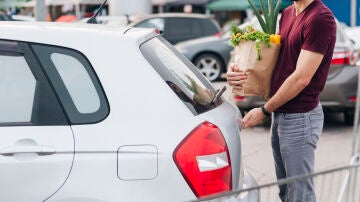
(259, 72)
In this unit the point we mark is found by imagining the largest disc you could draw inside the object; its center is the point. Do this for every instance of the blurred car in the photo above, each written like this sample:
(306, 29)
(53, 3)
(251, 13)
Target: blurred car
(111, 20)
(22, 18)
(74, 128)
(210, 54)
(354, 34)
(177, 27)
(340, 91)
(4, 16)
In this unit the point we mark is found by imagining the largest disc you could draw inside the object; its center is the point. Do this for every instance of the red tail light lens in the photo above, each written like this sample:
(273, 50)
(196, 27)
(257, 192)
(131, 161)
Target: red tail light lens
(239, 98)
(204, 161)
(344, 58)
(352, 99)
(218, 34)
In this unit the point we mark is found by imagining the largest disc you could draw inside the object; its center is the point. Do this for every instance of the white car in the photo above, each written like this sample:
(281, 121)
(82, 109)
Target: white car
(22, 18)
(98, 113)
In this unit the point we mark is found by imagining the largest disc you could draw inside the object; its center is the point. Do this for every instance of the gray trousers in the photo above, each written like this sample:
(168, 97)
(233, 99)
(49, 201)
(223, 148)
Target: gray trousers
(294, 138)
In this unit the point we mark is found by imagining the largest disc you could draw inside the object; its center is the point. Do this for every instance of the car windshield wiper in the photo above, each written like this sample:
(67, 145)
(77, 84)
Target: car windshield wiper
(218, 94)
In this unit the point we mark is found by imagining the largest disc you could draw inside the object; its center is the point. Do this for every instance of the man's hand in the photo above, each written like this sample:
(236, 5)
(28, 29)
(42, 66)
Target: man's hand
(235, 77)
(254, 117)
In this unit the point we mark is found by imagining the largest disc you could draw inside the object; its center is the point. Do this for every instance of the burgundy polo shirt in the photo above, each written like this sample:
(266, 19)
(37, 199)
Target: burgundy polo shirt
(314, 29)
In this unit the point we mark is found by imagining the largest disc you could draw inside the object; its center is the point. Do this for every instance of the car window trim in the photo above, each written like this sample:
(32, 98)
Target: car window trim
(11, 46)
(18, 48)
(43, 53)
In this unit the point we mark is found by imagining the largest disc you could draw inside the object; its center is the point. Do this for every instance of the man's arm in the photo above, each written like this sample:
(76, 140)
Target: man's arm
(307, 64)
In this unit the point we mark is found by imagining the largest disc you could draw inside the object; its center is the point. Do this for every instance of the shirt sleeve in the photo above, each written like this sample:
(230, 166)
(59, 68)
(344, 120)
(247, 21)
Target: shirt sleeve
(318, 34)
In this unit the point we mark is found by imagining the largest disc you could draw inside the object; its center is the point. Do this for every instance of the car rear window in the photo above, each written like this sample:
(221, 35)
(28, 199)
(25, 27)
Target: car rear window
(181, 75)
(179, 26)
(210, 26)
(192, 27)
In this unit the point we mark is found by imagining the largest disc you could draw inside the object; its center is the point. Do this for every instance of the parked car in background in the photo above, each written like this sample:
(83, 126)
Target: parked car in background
(4, 16)
(177, 27)
(354, 34)
(74, 128)
(210, 54)
(22, 18)
(340, 91)
(112, 20)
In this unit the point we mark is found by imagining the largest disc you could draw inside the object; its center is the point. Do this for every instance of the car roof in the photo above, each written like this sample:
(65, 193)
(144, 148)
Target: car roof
(66, 33)
(22, 18)
(107, 19)
(189, 15)
(355, 29)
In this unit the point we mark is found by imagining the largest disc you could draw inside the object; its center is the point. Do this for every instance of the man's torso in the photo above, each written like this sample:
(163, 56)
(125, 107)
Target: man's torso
(297, 33)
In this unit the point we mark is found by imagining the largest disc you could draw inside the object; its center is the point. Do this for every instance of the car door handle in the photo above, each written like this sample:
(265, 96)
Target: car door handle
(38, 149)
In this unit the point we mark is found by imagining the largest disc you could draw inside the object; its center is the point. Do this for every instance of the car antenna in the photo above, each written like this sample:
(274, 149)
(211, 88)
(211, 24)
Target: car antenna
(92, 20)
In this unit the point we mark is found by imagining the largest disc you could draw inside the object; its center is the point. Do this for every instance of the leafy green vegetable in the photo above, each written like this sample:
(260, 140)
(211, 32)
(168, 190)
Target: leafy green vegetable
(270, 13)
(250, 34)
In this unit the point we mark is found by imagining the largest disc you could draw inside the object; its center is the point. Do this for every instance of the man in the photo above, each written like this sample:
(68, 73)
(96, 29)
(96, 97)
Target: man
(308, 32)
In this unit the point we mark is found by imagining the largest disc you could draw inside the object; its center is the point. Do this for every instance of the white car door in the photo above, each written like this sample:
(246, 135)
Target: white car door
(36, 142)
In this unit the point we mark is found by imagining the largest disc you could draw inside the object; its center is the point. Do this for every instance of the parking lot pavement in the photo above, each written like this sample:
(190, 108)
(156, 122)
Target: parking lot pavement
(334, 147)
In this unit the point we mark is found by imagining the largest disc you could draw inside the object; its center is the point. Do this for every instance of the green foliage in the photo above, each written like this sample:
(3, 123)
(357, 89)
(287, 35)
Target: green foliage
(250, 34)
(271, 12)
(235, 29)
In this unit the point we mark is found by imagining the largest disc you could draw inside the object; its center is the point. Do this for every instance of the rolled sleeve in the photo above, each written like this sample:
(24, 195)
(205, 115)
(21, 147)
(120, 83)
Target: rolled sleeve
(318, 34)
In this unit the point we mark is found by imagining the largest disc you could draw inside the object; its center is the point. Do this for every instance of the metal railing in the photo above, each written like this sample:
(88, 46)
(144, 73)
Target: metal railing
(340, 184)
(351, 188)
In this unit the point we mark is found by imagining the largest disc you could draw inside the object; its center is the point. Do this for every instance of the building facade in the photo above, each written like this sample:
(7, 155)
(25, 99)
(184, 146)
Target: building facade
(346, 11)
(133, 7)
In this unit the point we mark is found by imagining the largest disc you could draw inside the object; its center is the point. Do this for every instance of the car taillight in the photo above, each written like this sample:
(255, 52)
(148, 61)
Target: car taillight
(239, 98)
(218, 34)
(203, 160)
(344, 58)
(157, 31)
(352, 99)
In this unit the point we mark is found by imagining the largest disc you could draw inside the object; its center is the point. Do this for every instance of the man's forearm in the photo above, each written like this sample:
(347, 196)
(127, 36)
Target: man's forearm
(291, 87)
